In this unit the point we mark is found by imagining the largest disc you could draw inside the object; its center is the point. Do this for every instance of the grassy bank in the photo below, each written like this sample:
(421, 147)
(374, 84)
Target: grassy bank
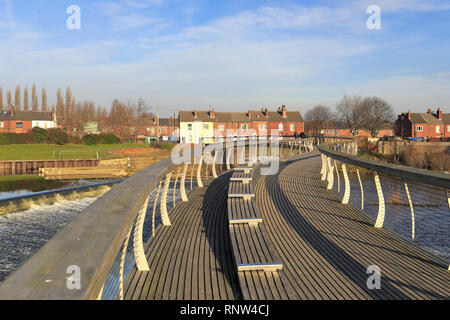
(52, 152)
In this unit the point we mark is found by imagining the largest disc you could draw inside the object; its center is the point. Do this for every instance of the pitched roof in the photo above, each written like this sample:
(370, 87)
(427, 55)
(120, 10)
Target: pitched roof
(167, 122)
(427, 117)
(26, 116)
(252, 115)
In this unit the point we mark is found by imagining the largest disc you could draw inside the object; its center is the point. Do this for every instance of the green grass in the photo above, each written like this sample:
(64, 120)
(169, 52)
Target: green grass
(19, 178)
(45, 151)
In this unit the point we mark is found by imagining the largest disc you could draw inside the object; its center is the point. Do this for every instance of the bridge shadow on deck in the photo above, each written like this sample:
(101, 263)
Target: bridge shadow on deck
(215, 222)
(336, 256)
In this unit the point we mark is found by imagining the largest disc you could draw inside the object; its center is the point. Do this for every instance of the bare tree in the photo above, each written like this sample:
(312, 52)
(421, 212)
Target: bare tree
(1, 98)
(34, 99)
(9, 98)
(66, 107)
(59, 106)
(348, 111)
(44, 100)
(17, 103)
(26, 100)
(376, 114)
(319, 118)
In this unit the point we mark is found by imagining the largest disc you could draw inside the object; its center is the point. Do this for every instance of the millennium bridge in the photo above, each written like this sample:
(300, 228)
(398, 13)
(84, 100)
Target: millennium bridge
(241, 230)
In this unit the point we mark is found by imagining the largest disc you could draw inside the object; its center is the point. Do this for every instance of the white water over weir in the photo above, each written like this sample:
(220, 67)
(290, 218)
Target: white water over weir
(28, 222)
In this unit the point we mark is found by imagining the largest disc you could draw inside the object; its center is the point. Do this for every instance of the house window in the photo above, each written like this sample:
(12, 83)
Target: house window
(153, 130)
(221, 127)
(159, 130)
(292, 127)
(104, 129)
(132, 129)
(438, 129)
(148, 129)
(2, 124)
(189, 126)
(337, 132)
(262, 127)
(448, 128)
(280, 127)
(19, 125)
(244, 126)
(419, 128)
(206, 127)
(332, 131)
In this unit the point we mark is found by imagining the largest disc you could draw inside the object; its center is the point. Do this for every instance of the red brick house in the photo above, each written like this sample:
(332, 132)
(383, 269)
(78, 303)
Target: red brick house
(12, 121)
(197, 126)
(435, 125)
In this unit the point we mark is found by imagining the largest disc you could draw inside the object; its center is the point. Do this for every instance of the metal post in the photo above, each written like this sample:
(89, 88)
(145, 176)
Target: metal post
(381, 207)
(122, 264)
(164, 215)
(138, 239)
(338, 177)
(199, 173)
(413, 228)
(362, 189)
(175, 186)
(330, 175)
(154, 208)
(323, 171)
(184, 197)
(214, 172)
(346, 198)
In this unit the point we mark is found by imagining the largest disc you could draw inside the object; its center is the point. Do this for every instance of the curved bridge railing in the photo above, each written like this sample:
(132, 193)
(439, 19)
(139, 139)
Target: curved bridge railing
(75, 264)
(419, 189)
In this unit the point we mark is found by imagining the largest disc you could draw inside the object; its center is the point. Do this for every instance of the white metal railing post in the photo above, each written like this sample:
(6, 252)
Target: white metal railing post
(381, 205)
(138, 239)
(362, 189)
(346, 198)
(413, 227)
(330, 175)
(184, 197)
(164, 214)
(199, 173)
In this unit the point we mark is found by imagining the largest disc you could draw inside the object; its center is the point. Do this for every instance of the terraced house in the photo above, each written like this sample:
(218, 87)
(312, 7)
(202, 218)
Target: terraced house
(197, 126)
(434, 125)
(12, 121)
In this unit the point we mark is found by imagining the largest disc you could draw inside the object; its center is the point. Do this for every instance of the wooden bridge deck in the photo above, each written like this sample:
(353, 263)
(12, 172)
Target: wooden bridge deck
(325, 248)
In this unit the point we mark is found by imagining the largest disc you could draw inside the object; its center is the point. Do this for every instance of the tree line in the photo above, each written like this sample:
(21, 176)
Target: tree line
(352, 112)
(26, 103)
(72, 115)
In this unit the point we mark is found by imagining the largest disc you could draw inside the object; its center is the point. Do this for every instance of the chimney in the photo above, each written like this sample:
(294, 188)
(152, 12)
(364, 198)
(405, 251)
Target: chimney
(249, 115)
(439, 113)
(283, 110)
(266, 112)
(155, 120)
(212, 114)
(429, 110)
(12, 111)
(409, 115)
(195, 114)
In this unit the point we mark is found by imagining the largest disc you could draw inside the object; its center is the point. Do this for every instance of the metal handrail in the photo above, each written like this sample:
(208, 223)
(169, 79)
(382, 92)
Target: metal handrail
(415, 174)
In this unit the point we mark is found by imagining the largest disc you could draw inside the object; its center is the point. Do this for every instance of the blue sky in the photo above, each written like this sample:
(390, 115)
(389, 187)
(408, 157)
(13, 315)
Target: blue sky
(233, 55)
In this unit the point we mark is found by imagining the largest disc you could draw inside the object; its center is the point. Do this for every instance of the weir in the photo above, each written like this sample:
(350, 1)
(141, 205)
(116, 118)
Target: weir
(21, 203)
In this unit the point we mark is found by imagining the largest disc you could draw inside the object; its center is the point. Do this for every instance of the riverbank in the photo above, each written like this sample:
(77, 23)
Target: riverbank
(56, 152)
